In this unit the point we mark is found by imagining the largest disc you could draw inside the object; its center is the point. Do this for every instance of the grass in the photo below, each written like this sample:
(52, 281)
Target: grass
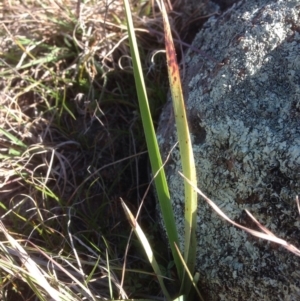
(72, 144)
(188, 263)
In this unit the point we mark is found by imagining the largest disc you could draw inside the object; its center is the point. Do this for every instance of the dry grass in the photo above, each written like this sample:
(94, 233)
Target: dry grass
(71, 144)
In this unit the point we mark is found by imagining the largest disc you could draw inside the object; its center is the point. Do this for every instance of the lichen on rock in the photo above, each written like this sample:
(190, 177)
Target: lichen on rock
(243, 107)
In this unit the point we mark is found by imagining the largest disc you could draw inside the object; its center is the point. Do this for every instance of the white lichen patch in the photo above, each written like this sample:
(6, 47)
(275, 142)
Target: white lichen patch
(244, 116)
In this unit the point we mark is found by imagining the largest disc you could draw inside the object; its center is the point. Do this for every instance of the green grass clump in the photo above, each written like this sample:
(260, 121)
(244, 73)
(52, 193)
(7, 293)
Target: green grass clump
(72, 143)
(187, 264)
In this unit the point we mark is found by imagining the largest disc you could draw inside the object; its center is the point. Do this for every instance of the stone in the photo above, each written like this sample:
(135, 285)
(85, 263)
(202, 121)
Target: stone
(243, 106)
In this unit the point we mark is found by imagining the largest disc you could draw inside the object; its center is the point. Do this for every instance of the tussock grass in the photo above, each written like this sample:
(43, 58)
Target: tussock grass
(71, 143)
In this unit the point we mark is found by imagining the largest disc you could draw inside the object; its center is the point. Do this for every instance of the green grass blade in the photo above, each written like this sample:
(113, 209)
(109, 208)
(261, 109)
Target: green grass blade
(144, 242)
(12, 138)
(193, 280)
(109, 276)
(152, 145)
(186, 152)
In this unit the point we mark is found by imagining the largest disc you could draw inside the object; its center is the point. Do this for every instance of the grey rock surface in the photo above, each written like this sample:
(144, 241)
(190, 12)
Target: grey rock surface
(243, 106)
